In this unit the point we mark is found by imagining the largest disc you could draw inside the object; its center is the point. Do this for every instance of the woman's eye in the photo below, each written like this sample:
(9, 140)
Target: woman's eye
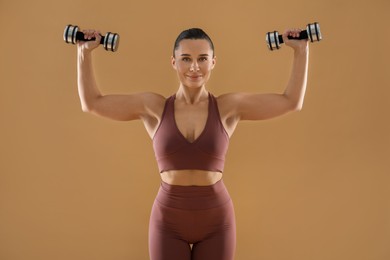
(186, 59)
(203, 59)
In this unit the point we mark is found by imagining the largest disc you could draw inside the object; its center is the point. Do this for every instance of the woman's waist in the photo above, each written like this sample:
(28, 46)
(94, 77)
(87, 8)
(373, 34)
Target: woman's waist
(191, 177)
(193, 197)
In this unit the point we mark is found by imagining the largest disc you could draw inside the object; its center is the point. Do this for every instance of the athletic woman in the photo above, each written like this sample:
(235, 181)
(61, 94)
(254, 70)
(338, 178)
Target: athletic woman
(193, 215)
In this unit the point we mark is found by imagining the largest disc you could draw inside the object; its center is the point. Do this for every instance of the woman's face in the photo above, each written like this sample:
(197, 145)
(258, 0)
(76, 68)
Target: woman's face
(193, 62)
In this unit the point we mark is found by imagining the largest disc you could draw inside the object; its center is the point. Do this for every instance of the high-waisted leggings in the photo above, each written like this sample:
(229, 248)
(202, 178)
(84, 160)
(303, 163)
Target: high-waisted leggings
(198, 215)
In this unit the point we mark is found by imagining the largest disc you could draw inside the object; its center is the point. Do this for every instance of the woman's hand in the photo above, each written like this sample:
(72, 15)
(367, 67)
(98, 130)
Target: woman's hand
(297, 45)
(89, 45)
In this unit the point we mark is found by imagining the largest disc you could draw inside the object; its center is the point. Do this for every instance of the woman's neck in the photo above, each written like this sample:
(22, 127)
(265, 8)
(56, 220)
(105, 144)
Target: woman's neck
(191, 96)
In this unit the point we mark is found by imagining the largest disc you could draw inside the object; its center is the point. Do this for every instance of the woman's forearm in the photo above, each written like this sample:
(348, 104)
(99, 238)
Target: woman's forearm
(87, 87)
(296, 86)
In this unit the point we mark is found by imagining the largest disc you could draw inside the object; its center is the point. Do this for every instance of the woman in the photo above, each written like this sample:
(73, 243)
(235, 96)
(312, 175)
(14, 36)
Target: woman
(192, 216)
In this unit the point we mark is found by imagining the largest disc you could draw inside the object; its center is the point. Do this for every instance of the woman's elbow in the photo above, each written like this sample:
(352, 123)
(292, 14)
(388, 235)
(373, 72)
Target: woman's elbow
(88, 105)
(86, 108)
(296, 106)
(293, 104)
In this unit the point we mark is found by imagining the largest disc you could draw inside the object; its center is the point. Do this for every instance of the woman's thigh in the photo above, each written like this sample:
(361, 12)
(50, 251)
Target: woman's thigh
(165, 236)
(219, 236)
(202, 216)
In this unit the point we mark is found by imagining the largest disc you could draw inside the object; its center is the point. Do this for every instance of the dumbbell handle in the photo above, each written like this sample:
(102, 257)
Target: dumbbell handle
(302, 36)
(80, 37)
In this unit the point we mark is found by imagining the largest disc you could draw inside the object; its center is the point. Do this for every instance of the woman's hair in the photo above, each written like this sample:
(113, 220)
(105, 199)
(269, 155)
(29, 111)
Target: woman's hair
(192, 34)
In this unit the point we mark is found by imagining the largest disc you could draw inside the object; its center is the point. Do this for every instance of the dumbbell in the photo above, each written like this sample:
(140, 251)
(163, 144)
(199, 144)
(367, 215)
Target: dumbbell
(313, 33)
(72, 34)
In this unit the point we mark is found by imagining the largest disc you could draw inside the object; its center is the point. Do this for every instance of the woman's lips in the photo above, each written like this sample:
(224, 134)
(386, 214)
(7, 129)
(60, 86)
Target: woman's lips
(194, 77)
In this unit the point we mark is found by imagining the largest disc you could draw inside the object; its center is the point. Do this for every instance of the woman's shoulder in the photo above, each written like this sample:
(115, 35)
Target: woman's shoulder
(152, 102)
(230, 98)
(152, 97)
(228, 102)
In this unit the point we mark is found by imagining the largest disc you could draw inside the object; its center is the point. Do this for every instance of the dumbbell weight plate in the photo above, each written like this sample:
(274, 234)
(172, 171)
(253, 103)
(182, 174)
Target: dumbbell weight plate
(70, 33)
(273, 40)
(314, 32)
(111, 41)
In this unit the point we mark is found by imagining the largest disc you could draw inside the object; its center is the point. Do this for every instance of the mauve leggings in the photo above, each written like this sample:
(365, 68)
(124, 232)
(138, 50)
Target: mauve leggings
(198, 215)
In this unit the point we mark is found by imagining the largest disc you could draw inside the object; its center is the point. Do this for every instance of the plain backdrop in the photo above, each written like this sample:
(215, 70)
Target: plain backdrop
(312, 185)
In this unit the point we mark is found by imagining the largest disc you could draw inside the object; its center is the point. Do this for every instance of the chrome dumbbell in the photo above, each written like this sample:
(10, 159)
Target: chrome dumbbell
(72, 34)
(312, 32)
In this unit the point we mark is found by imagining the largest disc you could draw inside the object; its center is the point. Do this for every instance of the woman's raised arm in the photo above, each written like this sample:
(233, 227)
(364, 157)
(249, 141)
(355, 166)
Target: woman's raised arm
(247, 106)
(116, 107)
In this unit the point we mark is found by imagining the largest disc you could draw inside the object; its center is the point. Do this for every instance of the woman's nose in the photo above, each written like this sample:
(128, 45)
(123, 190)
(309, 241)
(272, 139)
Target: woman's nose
(194, 66)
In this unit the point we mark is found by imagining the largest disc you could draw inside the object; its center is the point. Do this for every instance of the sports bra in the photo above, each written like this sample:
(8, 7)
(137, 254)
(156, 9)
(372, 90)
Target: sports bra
(174, 152)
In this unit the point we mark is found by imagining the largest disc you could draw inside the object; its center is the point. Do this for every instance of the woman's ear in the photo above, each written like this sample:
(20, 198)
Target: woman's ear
(173, 62)
(214, 61)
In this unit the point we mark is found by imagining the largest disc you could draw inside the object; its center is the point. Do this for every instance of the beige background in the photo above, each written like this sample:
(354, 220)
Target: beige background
(312, 185)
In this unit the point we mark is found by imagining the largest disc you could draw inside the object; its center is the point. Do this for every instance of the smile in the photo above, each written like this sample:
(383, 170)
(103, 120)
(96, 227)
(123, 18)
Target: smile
(194, 77)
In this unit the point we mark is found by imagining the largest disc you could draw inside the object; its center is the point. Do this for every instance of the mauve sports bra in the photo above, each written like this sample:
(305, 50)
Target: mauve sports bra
(174, 152)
